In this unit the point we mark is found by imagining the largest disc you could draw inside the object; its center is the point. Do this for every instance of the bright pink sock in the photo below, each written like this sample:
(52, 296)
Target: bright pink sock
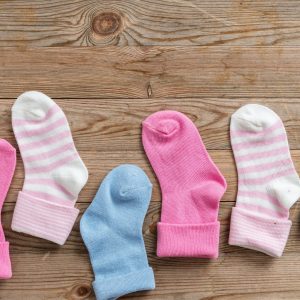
(7, 163)
(191, 185)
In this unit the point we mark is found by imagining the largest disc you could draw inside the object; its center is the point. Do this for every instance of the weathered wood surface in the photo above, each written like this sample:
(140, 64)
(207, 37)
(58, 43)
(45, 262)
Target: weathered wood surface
(152, 22)
(204, 58)
(112, 125)
(152, 72)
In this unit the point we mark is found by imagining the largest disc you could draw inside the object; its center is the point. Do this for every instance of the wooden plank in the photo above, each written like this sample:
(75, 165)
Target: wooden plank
(151, 22)
(152, 72)
(115, 125)
(64, 275)
(42, 269)
(100, 163)
(109, 125)
(292, 295)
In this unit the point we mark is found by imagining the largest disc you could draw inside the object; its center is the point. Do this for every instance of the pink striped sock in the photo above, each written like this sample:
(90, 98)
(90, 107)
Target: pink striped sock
(191, 186)
(268, 184)
(8, 164)
(54, 171)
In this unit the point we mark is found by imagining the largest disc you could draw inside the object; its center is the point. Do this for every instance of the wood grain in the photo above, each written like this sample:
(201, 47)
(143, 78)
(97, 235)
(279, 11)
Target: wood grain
(204, 58)
(152, 72)
(106, 125)
(151, 22)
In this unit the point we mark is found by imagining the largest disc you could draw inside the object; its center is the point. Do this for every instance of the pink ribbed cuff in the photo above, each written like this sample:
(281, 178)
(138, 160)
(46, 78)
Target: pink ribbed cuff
(257, 232)
(5, 264)
(188, 240)
(43, 219)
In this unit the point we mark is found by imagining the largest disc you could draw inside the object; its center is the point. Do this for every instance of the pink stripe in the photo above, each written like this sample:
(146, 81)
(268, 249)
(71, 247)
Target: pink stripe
(49, 197)
(263, 180)
(264, 167)
(46, 141)
(53, 184)
(52, 166)
(263, 154)
(244, 133)
(263, 210)
(270, 141)
(21, 122)
(29, 133)
(46, 155)
(262, 195)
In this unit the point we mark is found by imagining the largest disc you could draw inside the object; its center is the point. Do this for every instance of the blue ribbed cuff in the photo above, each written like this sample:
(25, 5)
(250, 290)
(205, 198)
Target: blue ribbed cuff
(115, 287)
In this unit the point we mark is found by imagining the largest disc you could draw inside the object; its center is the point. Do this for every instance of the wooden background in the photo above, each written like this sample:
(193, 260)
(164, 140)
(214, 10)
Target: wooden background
(111, 63)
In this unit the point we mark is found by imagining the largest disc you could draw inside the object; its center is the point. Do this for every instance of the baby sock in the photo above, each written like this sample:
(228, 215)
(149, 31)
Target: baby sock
(8, 164)
(191, 186)
(111, 229)
(268, 184)
(54, 171)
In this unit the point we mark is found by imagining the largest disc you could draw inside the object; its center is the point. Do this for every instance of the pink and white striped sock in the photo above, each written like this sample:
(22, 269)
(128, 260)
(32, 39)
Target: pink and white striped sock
(54, 171)
(268, 184)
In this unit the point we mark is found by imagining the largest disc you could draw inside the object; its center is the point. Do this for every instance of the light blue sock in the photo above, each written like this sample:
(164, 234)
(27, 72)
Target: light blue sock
(111, 229)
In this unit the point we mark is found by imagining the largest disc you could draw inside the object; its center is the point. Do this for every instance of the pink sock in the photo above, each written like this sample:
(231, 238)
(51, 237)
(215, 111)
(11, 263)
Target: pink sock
(7, 163)
(191, 185)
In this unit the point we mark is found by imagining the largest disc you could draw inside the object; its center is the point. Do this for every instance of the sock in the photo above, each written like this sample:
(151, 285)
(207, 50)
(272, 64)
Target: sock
(268, 184)
(8, 164)
(191, 186)
(111, 229)
(54, 171)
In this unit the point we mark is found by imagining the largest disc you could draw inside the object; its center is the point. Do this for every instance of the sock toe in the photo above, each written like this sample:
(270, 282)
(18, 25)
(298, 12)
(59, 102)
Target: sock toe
(166, 123)
(32, 105)
(254, 117)
(130, 179)
(6, 147)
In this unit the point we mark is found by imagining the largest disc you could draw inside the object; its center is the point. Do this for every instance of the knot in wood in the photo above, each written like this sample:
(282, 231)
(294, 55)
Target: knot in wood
(106, 23)
(81, 291)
